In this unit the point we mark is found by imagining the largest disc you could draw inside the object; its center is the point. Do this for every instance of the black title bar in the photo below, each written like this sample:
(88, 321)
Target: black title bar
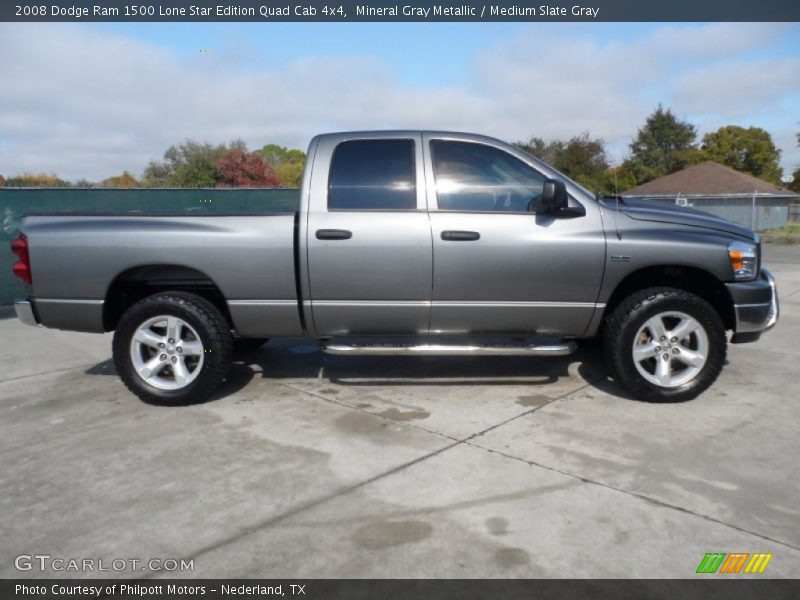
(387, 11)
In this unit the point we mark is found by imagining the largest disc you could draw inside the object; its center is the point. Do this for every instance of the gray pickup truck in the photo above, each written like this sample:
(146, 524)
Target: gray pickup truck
(407, 243)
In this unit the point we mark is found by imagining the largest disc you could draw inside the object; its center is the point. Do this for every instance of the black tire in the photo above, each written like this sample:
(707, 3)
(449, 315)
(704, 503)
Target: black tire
(212, 330)
(631, 314)
(248, 345)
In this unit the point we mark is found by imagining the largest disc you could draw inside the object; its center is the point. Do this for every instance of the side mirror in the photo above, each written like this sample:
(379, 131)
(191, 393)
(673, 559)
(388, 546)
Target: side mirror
(554, 195)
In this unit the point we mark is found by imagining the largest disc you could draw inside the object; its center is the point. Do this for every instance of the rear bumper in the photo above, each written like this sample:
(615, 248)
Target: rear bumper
(62, 313)
(26, 312)
(756, 307)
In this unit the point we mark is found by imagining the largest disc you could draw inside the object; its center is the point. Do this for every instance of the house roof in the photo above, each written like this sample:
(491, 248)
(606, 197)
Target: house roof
(707, 179)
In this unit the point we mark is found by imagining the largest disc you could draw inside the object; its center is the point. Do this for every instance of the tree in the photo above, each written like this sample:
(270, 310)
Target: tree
(542, 150)
(748, 150)
(619, 179)
(2, 181)
(288, 163)
(189, 164)
(125, 180)
(36, 180)
(290, 174)
(238, 168)
(581, 157)
(663, 145)
(795, 184)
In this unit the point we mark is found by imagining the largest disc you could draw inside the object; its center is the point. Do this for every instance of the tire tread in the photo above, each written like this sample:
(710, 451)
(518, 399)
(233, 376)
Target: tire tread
(220, 340)
(617, 354)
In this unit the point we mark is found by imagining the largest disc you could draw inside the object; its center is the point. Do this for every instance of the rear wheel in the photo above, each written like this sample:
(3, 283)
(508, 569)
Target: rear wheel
(665, 344)
(172, 348)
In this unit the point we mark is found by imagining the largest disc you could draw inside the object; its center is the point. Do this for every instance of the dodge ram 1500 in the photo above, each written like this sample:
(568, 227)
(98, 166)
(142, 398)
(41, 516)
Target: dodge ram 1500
(407, 242)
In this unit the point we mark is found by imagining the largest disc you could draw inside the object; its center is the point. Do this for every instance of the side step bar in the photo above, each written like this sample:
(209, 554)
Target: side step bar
(343, 349)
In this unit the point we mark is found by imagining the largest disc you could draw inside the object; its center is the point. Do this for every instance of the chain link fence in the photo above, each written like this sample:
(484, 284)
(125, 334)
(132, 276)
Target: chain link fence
(757, 211)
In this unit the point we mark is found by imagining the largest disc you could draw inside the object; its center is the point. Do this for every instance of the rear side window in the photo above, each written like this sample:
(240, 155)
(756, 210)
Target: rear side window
(373, 175)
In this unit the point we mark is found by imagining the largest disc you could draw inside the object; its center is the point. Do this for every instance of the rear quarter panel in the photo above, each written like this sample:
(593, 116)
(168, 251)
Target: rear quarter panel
(75, 259)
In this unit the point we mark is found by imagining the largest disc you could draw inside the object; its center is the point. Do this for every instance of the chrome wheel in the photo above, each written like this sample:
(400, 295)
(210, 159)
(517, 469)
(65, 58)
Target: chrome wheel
(670, 349)
(166, 352)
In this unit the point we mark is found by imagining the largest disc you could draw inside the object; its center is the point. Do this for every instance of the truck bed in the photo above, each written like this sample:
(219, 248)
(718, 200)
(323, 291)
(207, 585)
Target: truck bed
(251, 259)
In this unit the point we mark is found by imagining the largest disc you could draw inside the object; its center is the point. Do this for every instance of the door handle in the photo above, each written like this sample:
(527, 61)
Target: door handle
(460, 236)
(334, 234)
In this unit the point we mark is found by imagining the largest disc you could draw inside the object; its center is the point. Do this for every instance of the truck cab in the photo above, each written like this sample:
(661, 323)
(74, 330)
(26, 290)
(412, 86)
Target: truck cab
(411, 233)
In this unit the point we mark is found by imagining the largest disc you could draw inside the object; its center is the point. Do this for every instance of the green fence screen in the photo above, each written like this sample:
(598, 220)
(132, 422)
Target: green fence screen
(16, 202)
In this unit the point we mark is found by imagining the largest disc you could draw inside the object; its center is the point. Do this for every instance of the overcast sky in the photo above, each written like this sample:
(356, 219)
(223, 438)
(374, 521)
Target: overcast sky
(89, 100)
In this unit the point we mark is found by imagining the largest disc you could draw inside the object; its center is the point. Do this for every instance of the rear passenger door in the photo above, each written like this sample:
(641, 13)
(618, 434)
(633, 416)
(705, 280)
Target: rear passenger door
(369, 238)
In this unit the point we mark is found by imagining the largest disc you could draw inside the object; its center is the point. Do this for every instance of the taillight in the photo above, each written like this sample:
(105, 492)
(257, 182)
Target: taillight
(21, 268)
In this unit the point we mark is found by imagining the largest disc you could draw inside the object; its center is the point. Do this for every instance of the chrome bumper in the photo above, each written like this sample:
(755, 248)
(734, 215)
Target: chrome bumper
(753, 319)
(25, 312)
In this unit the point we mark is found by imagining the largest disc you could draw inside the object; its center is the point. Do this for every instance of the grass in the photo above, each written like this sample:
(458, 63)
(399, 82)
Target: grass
(788, 234)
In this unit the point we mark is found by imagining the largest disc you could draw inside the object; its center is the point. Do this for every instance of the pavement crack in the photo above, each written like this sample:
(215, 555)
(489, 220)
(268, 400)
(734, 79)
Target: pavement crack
(790, 294)
(638, 495)
(312, 504)
(527, 412)
(20, 377)
(351, 488)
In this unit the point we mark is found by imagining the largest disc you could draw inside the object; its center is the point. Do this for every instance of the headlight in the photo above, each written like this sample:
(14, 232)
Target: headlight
(744, 259)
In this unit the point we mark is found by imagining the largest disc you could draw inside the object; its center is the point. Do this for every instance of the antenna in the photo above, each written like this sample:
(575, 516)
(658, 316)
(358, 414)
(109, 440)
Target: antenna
(616, 215)
(616, 183)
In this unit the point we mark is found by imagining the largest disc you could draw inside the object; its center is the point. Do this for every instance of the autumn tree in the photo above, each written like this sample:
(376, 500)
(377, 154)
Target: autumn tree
(287, 163)
(2, 181)
(663, 145)
(290, 174)
(190, 164)
(125, 180)
(748, 150)
(36, 180)
(238, 168)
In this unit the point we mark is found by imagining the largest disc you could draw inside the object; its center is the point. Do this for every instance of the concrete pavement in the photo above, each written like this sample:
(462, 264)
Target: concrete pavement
(306, 465)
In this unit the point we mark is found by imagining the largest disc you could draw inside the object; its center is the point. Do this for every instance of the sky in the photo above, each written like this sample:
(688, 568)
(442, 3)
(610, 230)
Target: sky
(90, 100)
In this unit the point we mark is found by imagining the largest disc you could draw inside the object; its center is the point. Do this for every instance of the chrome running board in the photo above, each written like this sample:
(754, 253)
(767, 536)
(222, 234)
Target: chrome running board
(410, 349)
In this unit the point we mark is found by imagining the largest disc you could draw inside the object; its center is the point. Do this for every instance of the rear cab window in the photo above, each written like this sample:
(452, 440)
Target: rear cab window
(375, 174)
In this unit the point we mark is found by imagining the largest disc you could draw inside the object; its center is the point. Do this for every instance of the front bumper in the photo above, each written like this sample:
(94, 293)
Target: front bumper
(26, 312)
(755, 306)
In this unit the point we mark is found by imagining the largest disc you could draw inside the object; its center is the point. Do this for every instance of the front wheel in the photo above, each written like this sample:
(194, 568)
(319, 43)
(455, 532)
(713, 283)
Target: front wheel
(665, 344)
(172, 348)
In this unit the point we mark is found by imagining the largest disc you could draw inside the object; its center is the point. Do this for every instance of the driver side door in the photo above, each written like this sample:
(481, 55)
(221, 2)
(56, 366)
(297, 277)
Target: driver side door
(499, 268)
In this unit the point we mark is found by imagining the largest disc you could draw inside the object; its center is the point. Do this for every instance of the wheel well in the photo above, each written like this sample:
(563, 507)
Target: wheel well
(691, 279)
(134, 284)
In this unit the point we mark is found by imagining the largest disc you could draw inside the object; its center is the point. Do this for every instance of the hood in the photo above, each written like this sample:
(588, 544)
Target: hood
(652, 210)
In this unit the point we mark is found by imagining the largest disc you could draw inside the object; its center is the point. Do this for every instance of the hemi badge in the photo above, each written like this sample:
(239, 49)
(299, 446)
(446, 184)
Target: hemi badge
(619, 258)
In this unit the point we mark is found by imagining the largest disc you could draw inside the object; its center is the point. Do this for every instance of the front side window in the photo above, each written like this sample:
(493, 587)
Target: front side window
(477, 177)
(373, 175)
